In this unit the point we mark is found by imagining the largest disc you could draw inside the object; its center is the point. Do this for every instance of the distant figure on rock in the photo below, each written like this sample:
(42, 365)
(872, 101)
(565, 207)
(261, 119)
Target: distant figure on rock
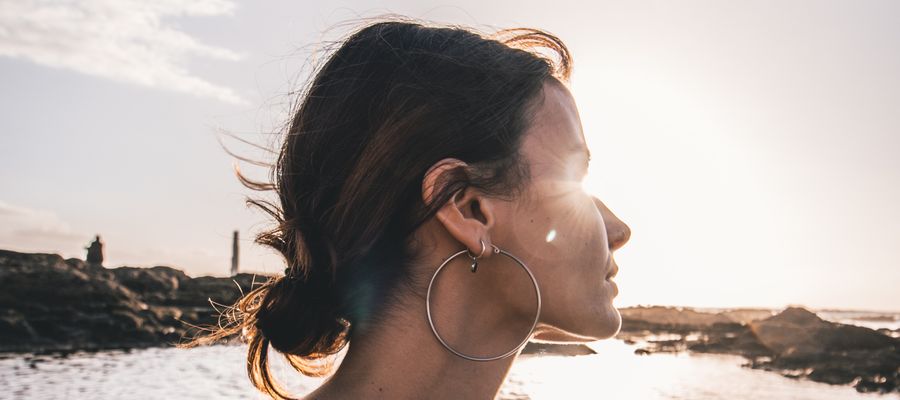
(95, 252)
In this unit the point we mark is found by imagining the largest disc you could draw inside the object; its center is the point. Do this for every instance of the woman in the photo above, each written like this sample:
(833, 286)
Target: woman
(432, 218)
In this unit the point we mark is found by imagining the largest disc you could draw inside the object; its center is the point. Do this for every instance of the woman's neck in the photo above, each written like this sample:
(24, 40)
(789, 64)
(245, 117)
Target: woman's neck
(403, 360)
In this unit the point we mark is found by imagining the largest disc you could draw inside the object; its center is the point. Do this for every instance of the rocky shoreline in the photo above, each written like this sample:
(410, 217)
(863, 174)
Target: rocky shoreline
(795, 343)
(51, 304)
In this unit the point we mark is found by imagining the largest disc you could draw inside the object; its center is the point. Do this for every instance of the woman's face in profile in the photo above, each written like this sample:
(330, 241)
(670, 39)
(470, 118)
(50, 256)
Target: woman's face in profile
(565, 235)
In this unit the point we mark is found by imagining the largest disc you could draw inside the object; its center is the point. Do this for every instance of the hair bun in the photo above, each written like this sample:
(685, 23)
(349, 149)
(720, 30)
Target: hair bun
(299, 316)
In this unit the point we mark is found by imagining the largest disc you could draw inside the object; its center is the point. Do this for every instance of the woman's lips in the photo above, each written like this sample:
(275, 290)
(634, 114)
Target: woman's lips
(612, 272)
(609, 275)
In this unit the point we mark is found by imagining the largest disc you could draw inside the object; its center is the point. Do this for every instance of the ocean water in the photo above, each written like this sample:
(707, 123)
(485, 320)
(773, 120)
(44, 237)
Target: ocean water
(217, 372)
(868, 319)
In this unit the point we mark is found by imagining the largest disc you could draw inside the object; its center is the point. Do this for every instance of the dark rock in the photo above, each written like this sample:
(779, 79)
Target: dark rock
(560, 349)
(157, 284)
(51, 304)
(798, 333)
(833, 375)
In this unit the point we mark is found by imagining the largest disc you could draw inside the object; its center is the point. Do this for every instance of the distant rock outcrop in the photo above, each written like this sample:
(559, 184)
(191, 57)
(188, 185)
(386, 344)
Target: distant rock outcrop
(797, 333)
(795, 342)
(828, 352)
(51, 304)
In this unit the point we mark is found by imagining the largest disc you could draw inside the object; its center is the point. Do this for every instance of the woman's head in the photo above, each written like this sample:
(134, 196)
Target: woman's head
(411, 141)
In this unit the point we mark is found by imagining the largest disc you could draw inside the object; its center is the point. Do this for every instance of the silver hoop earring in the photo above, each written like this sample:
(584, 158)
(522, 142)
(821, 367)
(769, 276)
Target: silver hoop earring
(474, 266)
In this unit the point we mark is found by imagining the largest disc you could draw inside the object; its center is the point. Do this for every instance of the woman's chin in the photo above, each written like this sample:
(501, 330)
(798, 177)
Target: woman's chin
(603, 326)
(592, 328)
(611, 325)
(605, 320)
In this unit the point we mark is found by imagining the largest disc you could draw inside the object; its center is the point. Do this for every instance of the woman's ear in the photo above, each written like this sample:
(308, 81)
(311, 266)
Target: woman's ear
(469, 215)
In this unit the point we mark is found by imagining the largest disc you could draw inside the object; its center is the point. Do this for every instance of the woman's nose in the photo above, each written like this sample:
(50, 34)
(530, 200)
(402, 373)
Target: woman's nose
(617, 231)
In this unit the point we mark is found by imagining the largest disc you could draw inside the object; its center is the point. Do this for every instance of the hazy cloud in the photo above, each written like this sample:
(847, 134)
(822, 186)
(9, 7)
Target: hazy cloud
(26, 228)
(124, 40)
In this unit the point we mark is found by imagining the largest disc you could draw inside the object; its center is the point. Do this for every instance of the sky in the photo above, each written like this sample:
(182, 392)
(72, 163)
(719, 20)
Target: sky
(750, 146)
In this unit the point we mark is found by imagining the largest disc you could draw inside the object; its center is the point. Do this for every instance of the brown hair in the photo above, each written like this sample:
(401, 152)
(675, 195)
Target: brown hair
(393, 99)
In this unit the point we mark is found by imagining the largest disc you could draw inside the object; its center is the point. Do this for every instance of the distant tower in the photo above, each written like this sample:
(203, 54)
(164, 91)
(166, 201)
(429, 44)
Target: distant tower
(95, 252)
(234, 254)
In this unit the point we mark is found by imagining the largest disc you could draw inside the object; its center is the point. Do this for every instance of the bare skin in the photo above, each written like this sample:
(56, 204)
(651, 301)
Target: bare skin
(565, 236)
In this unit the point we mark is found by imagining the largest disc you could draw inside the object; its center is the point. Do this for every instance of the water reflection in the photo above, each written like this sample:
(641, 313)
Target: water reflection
(218, 372)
